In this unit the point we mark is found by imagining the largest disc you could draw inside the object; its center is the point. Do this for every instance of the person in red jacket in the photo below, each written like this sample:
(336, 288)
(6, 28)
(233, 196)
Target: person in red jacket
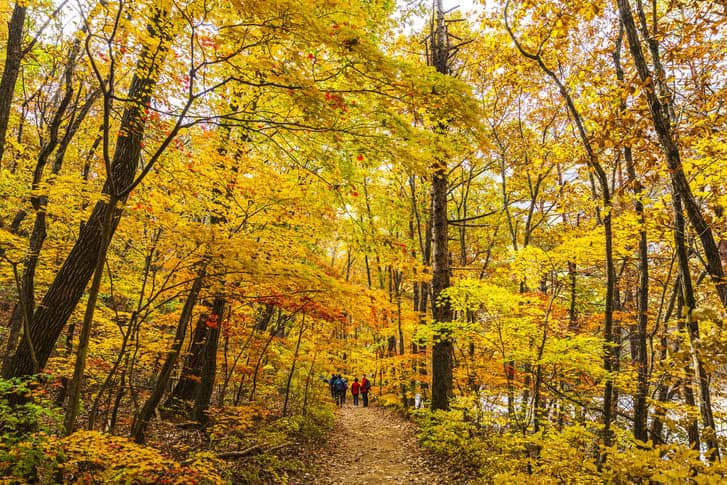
(365, 386)
(354, 391)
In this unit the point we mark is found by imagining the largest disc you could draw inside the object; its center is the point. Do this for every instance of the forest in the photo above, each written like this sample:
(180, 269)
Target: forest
(510, 215)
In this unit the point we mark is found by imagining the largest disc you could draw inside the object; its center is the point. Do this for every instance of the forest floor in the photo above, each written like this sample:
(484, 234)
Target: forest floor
(373, 445)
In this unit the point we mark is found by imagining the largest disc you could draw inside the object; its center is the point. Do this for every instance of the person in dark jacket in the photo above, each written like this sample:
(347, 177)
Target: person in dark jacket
(332, 385)
(340, 389)
(355, 387)
(365, 387)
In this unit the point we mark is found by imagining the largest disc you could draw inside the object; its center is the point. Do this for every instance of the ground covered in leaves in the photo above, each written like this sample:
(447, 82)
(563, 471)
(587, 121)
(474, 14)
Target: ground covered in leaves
(374, 446)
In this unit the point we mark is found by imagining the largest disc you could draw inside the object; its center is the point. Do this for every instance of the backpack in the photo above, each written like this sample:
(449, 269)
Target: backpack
(339, 385)
(366, 385)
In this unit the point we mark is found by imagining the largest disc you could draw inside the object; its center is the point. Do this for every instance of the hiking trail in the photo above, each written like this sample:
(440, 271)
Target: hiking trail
(374, 446)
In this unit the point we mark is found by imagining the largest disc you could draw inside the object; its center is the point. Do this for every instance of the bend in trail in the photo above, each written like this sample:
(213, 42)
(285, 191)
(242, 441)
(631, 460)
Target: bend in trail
(375, 446)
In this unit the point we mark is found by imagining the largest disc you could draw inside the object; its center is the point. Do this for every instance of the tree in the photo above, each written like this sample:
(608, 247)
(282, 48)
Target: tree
(441, 311)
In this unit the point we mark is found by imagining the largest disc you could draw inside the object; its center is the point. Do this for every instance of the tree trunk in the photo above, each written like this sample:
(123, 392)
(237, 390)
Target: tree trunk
(307, 384)
(705, 403)
(441, 309)
(687, 383)
(67, 288)
(74, 394)
(638, 348)
(662, 395)
(187, 384)
(609, 357)
(258, 364)
(209, 363)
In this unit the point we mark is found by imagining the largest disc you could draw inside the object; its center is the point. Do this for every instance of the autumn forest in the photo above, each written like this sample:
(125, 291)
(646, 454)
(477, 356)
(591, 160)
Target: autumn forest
(510, 215)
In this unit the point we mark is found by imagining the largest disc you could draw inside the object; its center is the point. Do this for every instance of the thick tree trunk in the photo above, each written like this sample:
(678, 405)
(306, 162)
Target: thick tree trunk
(71, 280)
(209, 362)
(187, 384)
(441, 309)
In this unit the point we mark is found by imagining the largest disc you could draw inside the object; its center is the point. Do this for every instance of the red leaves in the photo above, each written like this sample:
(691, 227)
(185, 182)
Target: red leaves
(142, 207)
(212, 321)
(208, 42)
(336, 101)
(360, 157)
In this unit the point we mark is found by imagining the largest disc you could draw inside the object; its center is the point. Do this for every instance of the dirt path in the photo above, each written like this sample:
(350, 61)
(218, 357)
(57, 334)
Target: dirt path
(374, 446)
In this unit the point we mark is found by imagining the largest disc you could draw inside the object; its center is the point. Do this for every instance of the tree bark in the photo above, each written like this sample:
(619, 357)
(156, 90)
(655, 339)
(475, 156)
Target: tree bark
(610, 363)
(705, 403)
(209, 363)
(67, 288)
(641, 408)
(74, 393)
(441, 310)
(187, 384)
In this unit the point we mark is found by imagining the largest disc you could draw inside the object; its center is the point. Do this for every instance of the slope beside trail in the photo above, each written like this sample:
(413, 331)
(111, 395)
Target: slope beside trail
(373, 445)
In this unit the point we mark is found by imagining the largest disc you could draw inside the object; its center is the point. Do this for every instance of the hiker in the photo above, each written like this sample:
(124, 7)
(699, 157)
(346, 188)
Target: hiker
(345, 390)
(340, 389)
(365, 387)
(354, 390)
(332, 385)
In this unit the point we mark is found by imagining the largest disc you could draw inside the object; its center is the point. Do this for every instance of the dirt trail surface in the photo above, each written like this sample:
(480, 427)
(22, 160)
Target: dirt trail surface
(374, 446)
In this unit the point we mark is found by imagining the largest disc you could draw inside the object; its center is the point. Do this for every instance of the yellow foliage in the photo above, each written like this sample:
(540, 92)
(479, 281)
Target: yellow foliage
(101, 458)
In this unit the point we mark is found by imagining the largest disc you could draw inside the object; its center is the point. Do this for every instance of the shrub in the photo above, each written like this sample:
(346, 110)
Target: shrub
(27, 423)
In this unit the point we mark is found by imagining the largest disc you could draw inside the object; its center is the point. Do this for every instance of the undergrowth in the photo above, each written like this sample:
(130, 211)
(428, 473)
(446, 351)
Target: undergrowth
(493, 453)
(245, 444)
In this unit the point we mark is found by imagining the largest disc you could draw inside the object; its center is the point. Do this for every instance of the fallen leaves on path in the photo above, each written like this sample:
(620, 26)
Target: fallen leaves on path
(374, 446)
